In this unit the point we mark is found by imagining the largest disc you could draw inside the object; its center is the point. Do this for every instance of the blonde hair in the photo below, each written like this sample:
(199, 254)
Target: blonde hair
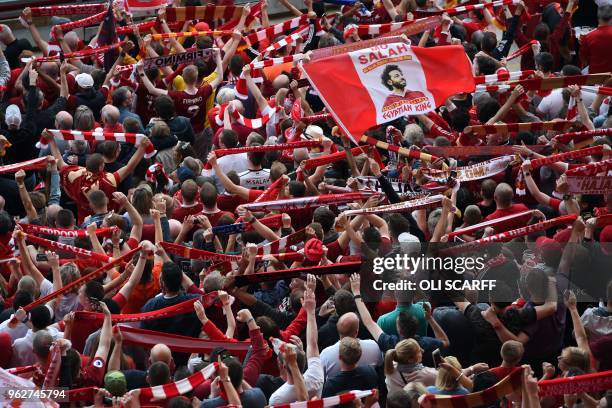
(577, 358)
(445, 379)
(404, 353)
(512, 352)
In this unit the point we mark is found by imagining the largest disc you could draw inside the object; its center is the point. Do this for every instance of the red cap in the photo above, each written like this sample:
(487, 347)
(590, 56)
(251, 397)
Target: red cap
(202, 26)
(562, 236)
(548, 247)
(313, 250)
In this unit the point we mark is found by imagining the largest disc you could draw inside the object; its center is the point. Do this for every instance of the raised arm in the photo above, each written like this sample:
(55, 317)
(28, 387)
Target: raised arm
(147, 82)
(123, 202)
(26, 18)
(263, 230)
(579, 331)
(228, 184)
(437, 329)
(262, 102)
(309, 304)
(28, 265)
(219, 69)
(126, 170)
(106, 335)
(364, 313)
(25, 196)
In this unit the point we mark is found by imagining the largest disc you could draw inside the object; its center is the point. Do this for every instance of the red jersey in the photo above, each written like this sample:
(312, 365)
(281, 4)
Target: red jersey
(395, 101)
(192, 106)
(145, 106)
(77, 182)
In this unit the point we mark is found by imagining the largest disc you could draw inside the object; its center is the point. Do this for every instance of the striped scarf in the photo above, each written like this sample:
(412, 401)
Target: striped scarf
(132, 138)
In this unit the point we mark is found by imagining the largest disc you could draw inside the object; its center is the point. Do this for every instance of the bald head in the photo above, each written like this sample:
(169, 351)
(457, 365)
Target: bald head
(300, 154)
(28, 284)
(348, 325)
(110, 114)
(50, 68)
(63, 120)
(52, 211)
(72, 39)
(503, 195)
(6, 34)
(161, 352)
(281, 81)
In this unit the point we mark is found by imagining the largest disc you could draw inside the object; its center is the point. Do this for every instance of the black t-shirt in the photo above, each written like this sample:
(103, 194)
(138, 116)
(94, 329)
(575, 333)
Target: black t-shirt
(487, 344)
(14, 49)
(361, 378)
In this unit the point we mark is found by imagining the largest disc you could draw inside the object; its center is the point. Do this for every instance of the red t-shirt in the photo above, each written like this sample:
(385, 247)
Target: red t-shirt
(82, 184)
(192, 106)
(183, 211)
(145, 102)
(513, 209)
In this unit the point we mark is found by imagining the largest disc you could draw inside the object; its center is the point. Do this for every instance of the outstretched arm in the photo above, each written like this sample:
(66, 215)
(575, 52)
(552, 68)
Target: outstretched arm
(126, 170)
(228, 184)
(147, 82)
(364, 313)
(262, 102)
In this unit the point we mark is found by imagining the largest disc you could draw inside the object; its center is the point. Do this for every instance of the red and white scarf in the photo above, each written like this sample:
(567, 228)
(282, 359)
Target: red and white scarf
(498, 224)
(282, 244)
(334, 401)
(133, 138)
(470, 7)
(505, 128)
(299, 33)
(326, 159)
(33, 164)
(88, 21)
(561, 157)
(186, 34)
(522, 50)
(198, 254)
(405, 206)
(82, 280)
(335, 268)
(515, 233)
(64, 232)
(205, 13)
(277, 61)
(181, 387)
(472, 172)
(503, 76)
(469, 151)
(584, 136)
(270, 32)
(68, 248)
(70, 10)
(256, 123)
(308, 202)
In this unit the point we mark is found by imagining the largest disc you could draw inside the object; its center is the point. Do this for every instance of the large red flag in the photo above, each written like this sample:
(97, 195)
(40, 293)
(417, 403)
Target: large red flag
(375, 85)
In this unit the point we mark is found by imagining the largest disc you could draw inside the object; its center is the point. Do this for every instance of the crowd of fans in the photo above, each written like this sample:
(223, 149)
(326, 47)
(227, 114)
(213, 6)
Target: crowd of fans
(338, 333)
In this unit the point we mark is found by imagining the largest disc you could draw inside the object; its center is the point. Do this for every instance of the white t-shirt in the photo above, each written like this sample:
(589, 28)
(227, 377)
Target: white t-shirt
(552, 104)
(255, 179)
(370, 356)
(313, 378)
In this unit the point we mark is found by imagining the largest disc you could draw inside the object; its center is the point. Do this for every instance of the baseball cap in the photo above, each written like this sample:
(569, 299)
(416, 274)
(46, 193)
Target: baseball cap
(12, 115)
(84, 80)
(115, 383)
(314, 132)
(202, 26)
